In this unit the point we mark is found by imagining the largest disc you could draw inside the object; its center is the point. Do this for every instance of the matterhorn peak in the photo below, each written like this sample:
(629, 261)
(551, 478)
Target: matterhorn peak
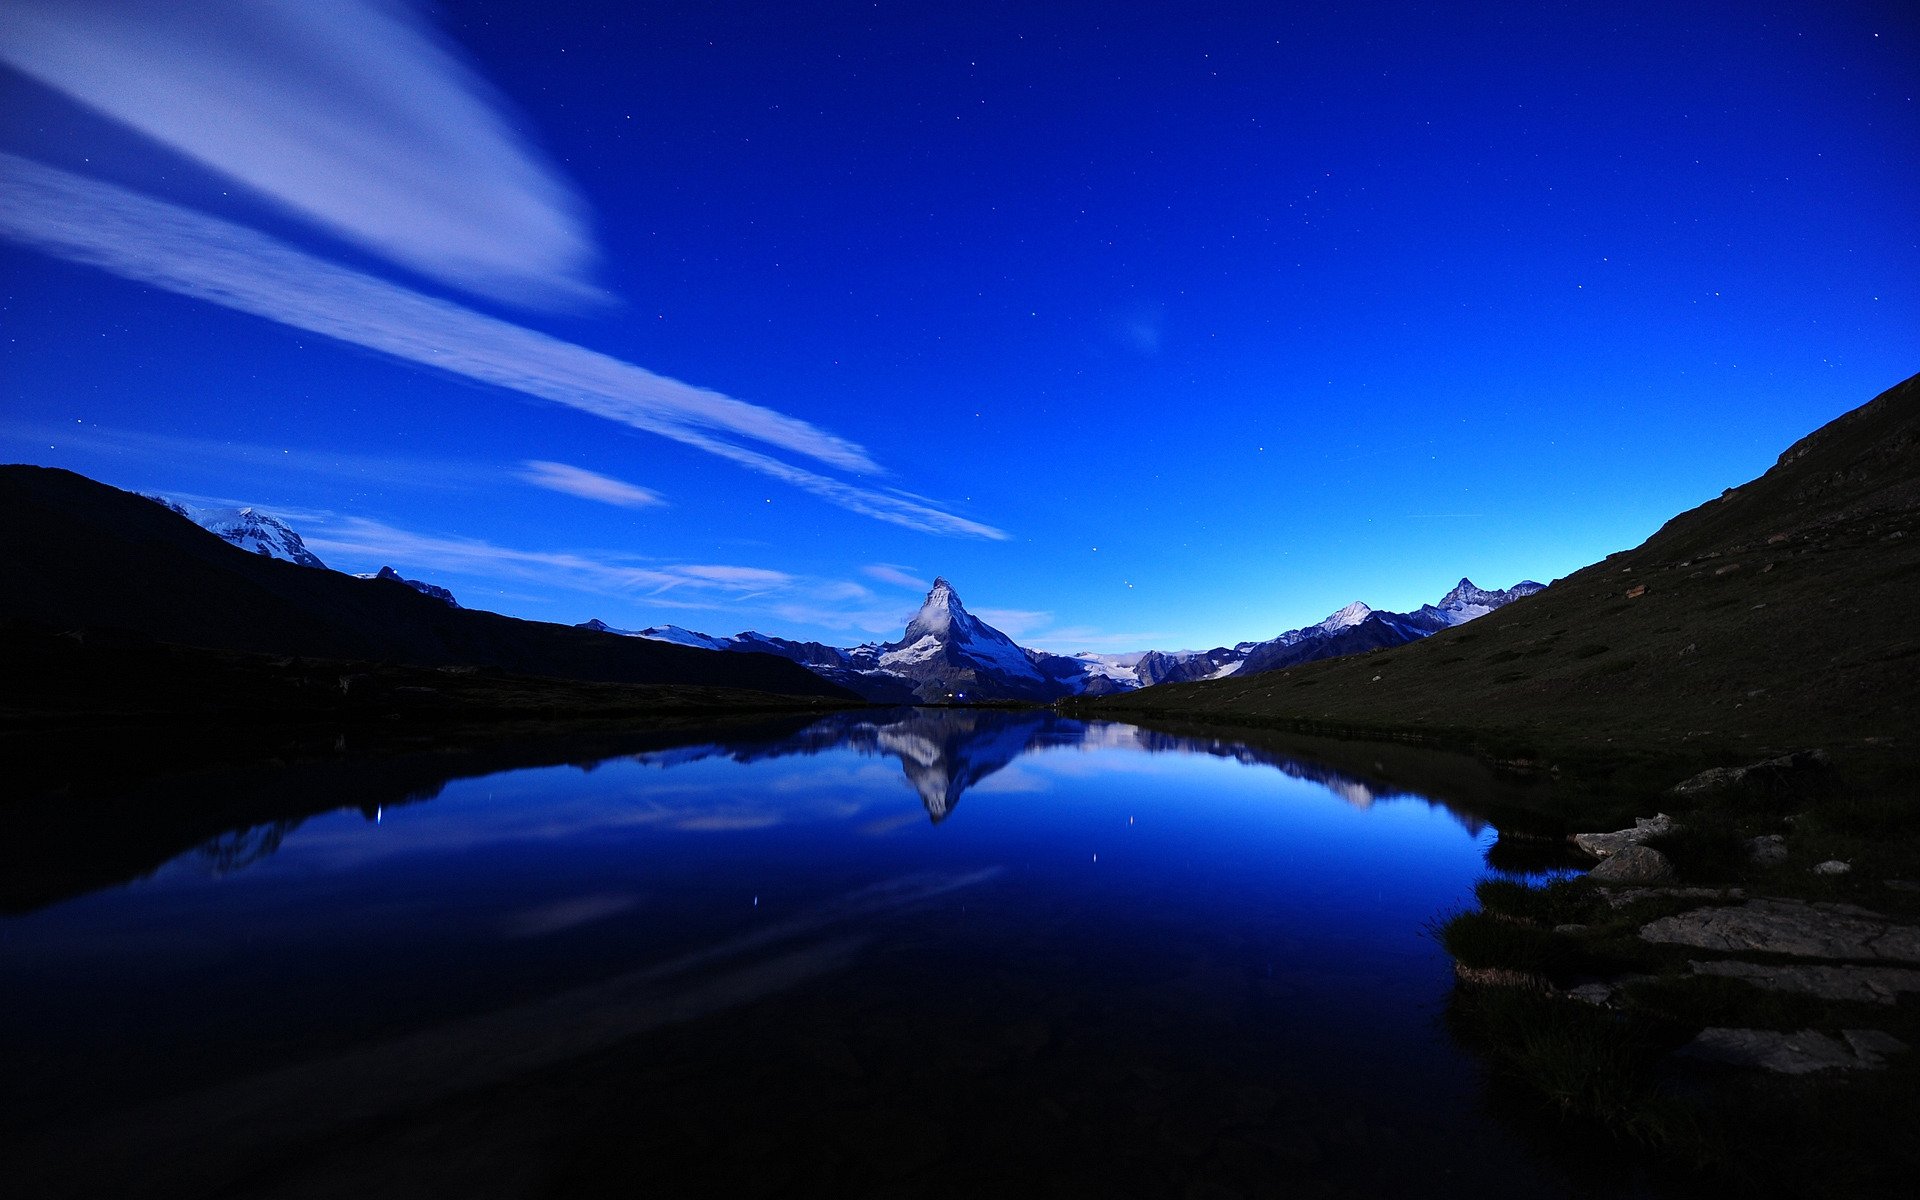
(937, 612)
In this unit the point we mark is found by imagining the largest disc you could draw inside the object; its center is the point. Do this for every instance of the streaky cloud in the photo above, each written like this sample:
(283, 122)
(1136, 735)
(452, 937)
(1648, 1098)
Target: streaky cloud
(369, 539)
(588, 485)
(146, 446)
(354, 114)
(1016, 622)
(896, 574)
(164, 245)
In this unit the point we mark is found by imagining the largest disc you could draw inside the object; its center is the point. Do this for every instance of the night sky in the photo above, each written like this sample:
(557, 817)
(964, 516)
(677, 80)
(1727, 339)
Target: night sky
(1148, 326)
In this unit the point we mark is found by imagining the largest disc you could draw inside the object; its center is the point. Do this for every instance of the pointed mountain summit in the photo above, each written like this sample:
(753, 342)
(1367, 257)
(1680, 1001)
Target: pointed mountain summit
(425, 589)
(948, 653)
(937, 614)
(1346, 618)
(1467, 600)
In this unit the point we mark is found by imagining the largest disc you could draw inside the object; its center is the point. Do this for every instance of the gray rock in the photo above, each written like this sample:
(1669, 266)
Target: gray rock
(1799, 1053)
(1768, 851)
(1832, 866)
(1605, 845)
(1873, 1045)
(1596, 994)
(1771, 926)
(1635, 864)
(1772, 775)
(1618, 898)
(1865, 985)
(1569, 929)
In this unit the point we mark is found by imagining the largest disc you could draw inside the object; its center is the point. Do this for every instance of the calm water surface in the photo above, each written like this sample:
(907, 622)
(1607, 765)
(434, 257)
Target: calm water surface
(926, 952)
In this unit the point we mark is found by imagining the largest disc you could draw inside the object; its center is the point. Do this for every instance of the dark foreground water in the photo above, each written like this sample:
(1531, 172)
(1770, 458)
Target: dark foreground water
(930, 952)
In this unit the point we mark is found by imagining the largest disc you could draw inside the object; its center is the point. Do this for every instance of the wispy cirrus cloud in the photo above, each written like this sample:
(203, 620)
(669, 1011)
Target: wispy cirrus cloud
(353, 114)
(748, 596)
(167, 246)
(1015, 622)
(894, 573)
(588, 485)
(146, 446)
(369, 540)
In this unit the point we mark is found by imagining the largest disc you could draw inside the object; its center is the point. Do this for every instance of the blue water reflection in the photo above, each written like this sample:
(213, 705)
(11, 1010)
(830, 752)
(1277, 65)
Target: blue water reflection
(1128, 890)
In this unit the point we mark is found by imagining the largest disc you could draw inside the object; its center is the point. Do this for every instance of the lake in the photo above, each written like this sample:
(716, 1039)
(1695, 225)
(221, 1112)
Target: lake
(908, 952)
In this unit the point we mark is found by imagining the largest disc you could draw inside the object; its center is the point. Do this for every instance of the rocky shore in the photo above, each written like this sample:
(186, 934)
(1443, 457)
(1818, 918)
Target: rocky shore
(1745, 964)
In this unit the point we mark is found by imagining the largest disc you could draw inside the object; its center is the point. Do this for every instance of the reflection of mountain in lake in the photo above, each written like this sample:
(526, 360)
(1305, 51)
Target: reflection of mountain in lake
(942, 751)
(945, 751)
(92, 833)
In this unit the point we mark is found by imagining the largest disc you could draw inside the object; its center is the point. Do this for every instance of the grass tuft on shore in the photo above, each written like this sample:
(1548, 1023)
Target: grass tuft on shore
(1593, 1067)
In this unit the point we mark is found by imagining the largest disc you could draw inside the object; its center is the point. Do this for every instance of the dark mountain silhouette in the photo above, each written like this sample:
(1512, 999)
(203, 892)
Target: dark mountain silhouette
(81, 557)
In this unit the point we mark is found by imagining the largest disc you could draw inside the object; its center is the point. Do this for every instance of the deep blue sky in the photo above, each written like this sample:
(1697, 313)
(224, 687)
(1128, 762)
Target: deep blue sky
(1222, 316)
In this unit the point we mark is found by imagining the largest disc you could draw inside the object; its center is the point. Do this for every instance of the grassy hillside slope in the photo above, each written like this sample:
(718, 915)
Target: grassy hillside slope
(1784, 614)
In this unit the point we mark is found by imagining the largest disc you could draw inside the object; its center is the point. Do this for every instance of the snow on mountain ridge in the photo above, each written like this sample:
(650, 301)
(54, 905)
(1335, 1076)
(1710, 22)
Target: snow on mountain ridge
(248, 528)
(1345, 618)
(937, 613)
(263, 533)
(947, 653)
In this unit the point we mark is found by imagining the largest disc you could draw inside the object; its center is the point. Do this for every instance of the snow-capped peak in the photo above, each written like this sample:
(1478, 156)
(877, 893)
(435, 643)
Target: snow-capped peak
(248, 528)
(937, 613)
(1468, 600)
(1346, 618)
(668, 633)
(685, 637)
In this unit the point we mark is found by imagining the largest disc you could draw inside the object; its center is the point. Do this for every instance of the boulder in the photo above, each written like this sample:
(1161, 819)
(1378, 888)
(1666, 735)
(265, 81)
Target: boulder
(1864, 985)
(1619, 898)
(1605, 845)
(1768, 851)
(1832, 866)
(1773, 776)
(1770, 926)
(1635, 864)
(1799, 1053)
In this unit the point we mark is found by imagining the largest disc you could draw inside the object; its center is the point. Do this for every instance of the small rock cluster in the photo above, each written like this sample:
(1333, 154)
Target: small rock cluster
(1623, 858)
(1837, 952)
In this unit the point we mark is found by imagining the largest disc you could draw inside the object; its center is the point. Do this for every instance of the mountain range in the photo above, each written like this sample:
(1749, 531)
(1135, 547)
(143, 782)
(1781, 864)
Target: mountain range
(947, 654)
(1770, 618)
